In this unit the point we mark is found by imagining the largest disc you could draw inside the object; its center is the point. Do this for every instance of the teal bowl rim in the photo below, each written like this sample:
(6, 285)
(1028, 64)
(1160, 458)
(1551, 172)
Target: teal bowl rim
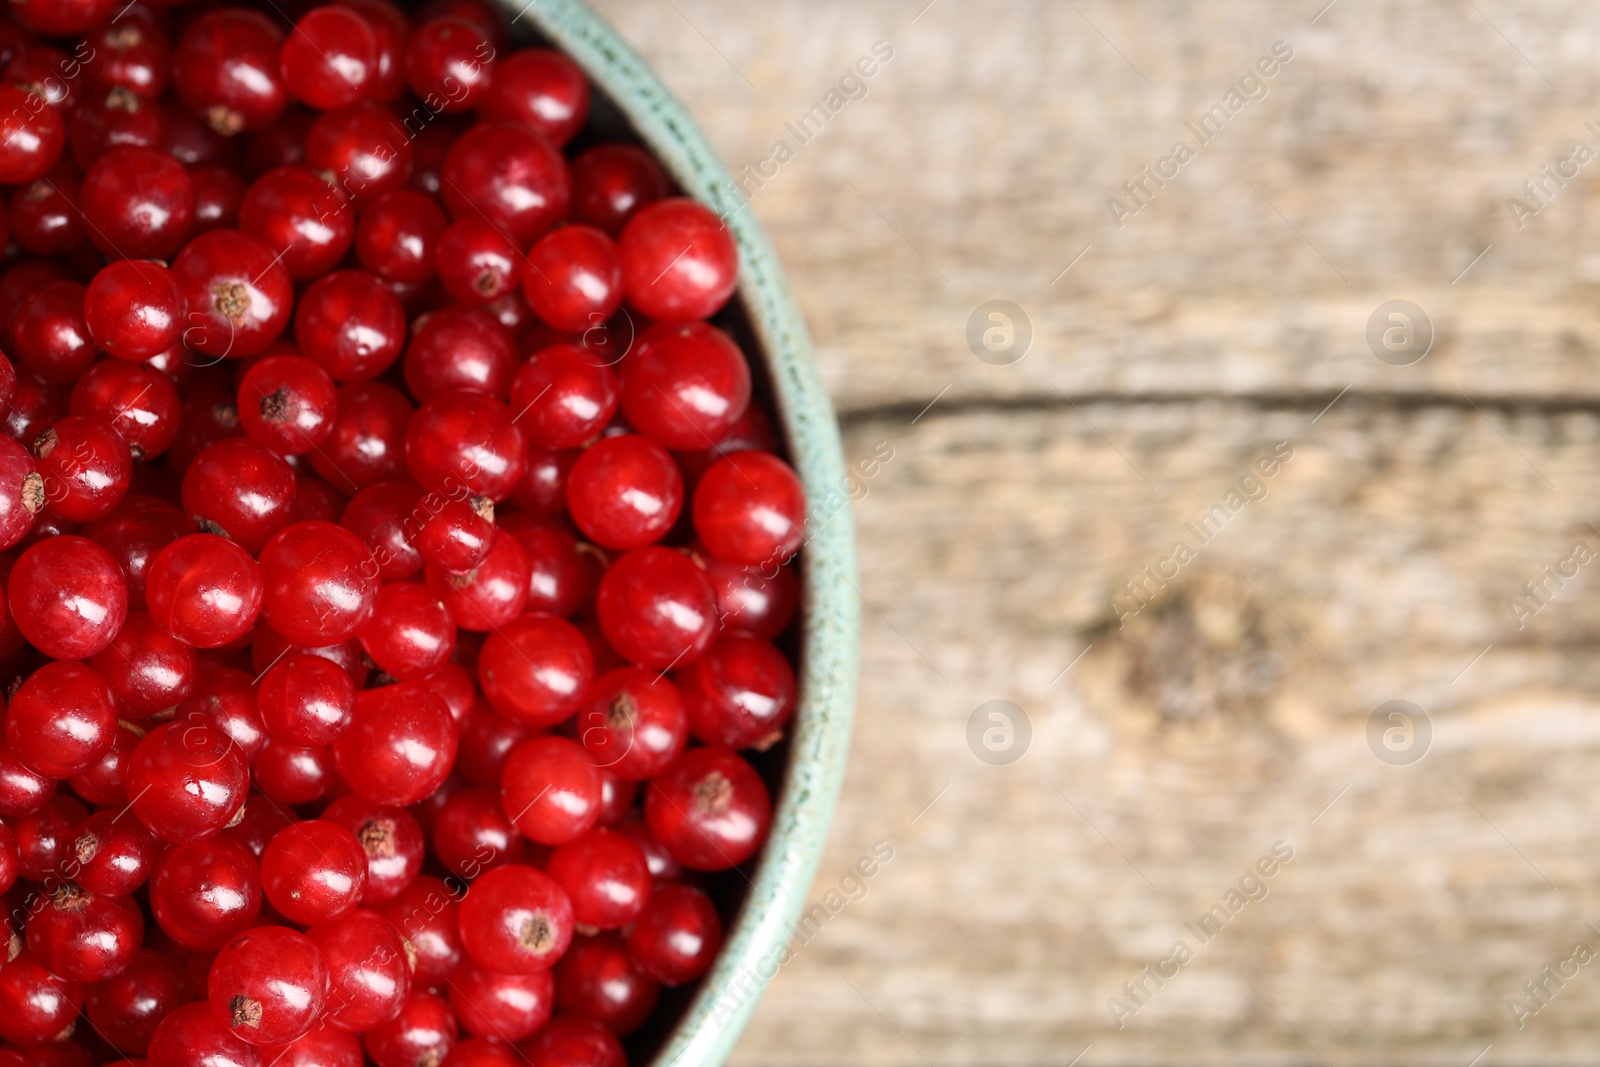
(830, 639)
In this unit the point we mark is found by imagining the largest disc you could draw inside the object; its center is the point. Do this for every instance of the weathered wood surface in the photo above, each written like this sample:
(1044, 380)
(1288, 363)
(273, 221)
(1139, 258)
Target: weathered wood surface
(1233, 711)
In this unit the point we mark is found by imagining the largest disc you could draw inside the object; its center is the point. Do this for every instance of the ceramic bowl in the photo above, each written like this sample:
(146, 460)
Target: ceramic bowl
(776, 339)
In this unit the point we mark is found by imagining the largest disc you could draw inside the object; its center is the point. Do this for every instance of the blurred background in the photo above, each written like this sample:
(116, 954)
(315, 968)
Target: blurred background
(1342, 346)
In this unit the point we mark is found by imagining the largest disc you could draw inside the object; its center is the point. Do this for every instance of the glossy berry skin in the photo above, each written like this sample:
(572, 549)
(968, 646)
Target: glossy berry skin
(238, 295)
(550, 790)
(113, 856)
(30, 146)
(61, 720)
(509, 174)
(367, 443)
(295, 209)
(411, 634)
(604, 875)
(206, 892)
(541, 88)
(330, 58)
(505, 1006)
(400, 745)
(477, 261)
(192, 1036)
(466, 441)
(677, 936)
(293, 775)
(225, 70)
(218, 196)
(134, 533)
(535, 669)
(458, 536)
(739, 694)
(625, 492)
(314, 872)
(86, 466)
(352, 324)
(145, 668)
(749, 509)
(397, 233)
(134, 309)
(240, 490)
(515, 920)
(426, 913)
(268, 986)
(83, 937)
(115, 119)
(320, 583)
(573, 278)
(186, 780)
(390, 28)
(566, 396)
(35, 1005)
(573, 1041)
(45, 838)
(471, 834)
(139, 203)
(447, 63)
(657, 608)
(48, 332)
(391, 839)
(562, 573)
(225, 699)
(137, 401)
(710, 809)
(633, 723)
(679, 262)
(127, 1008)
(68, 597)
(423, 1033)
(21, 492)
(44, 217)
(369, 976)
(325, 1046)
(287, 403)
(611, 182)
(22, 793)
(597, 980)
(204, 590)
(686, 386)
(460, 348)
(363, 149)
(380, 515)
(306, 700)
(487, 740)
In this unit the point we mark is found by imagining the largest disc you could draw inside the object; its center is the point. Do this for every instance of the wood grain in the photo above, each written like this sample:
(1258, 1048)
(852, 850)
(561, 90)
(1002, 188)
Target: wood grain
(1380, 564)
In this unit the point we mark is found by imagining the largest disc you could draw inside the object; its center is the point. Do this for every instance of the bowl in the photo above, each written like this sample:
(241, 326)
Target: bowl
(776, 340)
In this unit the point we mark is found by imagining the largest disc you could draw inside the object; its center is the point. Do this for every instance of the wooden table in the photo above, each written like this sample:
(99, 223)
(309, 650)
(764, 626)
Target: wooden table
(1171, 749)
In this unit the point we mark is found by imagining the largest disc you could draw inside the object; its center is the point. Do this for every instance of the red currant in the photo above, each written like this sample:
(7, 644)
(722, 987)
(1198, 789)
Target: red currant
(551, 791)
(314, 872)
(625, 492)
(710, 808)
(187, 780)
(399, 746)
(329, 60)
(657, 608)
(268, 985)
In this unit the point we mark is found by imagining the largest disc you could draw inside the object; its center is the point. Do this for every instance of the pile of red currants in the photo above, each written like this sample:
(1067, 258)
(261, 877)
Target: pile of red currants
(393, 556)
